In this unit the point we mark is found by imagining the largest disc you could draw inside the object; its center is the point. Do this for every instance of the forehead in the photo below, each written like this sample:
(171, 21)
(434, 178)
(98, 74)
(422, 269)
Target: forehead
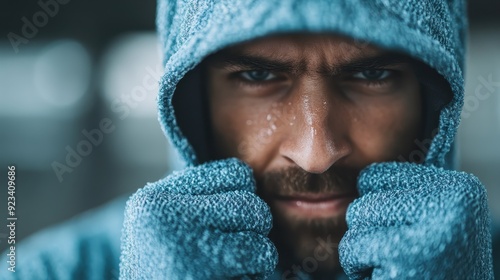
(307, 49)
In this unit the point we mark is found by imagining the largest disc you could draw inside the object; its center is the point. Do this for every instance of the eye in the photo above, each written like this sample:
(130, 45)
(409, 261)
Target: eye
(372, 74)
(258, 75)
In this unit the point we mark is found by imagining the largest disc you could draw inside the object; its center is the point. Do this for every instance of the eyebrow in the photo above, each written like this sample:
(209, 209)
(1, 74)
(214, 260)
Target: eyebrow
(229, 60)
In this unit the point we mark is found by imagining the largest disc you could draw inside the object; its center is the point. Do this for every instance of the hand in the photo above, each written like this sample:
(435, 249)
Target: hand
(204, 222)
(415, 221)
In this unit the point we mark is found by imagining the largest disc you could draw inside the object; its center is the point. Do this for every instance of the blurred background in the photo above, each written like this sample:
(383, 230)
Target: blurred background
(78, 115)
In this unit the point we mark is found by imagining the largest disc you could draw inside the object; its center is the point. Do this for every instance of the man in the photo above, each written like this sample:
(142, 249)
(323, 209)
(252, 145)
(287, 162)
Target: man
(309, 95)
(315, 134)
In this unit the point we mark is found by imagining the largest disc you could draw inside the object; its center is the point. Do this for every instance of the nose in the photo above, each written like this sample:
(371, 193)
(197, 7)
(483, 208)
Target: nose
(317, 139)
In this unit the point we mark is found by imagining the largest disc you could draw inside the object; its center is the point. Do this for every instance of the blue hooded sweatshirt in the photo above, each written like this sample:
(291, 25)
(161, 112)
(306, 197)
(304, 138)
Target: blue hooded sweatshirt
(431, 31)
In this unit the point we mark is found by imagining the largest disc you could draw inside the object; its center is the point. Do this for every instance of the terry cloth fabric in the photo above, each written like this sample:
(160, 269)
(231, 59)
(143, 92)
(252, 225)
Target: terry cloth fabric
(417, 222)
(204, 222)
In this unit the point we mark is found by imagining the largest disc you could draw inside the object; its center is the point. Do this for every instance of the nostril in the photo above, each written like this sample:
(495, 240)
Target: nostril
(316, 136)
(314, 149)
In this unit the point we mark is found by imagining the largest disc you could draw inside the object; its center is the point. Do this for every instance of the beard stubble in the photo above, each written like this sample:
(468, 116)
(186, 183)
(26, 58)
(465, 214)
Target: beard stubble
(297, 238)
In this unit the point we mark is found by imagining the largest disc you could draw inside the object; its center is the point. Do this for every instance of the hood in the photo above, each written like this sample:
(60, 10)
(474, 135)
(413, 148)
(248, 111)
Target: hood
(431, 31)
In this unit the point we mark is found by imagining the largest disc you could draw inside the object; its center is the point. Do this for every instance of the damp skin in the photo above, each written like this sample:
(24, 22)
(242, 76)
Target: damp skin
(310, 113)
(317, 103)
(277, 116)
(332, 113)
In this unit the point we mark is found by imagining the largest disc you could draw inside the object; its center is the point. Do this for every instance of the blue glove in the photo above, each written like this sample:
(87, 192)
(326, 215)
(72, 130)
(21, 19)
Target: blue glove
(204, 222)
(415, 221)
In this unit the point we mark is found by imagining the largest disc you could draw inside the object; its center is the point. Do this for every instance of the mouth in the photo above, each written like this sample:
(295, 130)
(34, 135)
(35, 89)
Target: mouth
(313, 205)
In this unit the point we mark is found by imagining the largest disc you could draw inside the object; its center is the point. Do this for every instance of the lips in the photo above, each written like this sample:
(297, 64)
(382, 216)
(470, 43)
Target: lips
(314, 197)
(313, 205)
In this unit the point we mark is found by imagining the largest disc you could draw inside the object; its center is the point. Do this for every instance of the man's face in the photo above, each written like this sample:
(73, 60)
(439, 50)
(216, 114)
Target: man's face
(307, 113)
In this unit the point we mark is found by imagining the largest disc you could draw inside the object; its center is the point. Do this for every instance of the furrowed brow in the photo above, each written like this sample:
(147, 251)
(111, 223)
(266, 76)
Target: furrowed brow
(374, 62)
(228, 60)
(253, 62)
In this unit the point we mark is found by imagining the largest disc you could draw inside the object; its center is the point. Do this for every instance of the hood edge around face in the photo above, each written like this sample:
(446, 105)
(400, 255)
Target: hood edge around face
(422, 46)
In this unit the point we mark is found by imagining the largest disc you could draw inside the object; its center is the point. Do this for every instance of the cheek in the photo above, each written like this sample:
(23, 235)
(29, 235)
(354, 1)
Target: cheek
(248, 130)
(228, 129)
(387, 132)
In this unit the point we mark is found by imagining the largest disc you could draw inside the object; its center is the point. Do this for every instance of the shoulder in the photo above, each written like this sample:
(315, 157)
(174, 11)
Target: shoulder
(84, 247)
